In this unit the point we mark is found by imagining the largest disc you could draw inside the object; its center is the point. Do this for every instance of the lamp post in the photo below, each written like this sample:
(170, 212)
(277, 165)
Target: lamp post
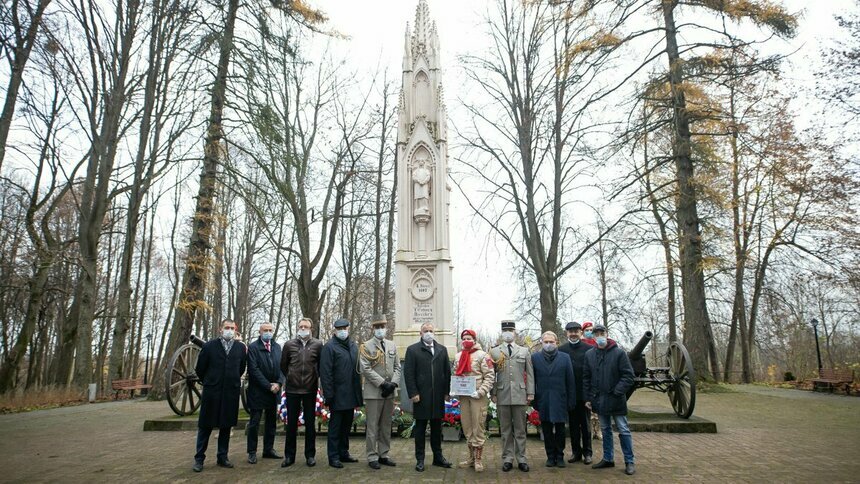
(146, 367)
(814, 323)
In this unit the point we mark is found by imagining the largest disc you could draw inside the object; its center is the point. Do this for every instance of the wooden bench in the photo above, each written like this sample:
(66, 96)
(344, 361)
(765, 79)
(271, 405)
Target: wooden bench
(831, 378)
(127, 385)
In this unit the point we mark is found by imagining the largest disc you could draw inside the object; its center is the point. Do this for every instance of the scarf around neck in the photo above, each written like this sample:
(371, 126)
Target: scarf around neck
(465, 364)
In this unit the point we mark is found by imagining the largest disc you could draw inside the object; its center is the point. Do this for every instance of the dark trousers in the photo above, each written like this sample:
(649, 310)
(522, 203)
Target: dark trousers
(553, 440)
(268, 431)
(420, 434)
(296, 403)
(339, 425)
(580, 429)
(203, 443)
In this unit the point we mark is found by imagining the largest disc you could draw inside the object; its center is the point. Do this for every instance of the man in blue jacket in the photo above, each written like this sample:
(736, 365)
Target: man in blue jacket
(264, 387)
(608, 375)
(341, 388)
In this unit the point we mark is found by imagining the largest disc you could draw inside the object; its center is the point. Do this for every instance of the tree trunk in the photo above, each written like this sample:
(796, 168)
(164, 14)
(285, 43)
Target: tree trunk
(192, 297)
(697, 321)
(20, 55)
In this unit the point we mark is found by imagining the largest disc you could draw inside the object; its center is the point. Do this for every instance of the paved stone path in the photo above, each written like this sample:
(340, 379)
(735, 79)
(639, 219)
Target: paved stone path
(764, 435)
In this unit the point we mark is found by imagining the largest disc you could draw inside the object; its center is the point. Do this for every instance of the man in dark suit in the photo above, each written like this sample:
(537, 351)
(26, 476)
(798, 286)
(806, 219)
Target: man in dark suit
(264, 387)
(579, 419)
(427, 372)
(220, 366)
(341, 388)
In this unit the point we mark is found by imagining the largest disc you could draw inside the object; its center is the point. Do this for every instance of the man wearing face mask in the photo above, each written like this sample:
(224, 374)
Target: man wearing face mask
(300, 366)
(513, 391)
(607, 377)
(427, 373)
(555, 396)
(220, 366)
(380, 366)
(341, 388)
(264, 386)
(579, 419)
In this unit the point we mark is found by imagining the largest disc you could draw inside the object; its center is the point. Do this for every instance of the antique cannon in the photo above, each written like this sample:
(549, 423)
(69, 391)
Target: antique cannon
(182, 387)
(677, 379)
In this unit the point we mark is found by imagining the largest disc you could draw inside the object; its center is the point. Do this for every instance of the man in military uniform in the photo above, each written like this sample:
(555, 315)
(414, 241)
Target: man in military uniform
(513, 391)
(380, 370)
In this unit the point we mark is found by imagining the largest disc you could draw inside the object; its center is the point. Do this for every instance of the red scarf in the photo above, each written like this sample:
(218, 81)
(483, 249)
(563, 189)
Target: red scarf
(465, 363)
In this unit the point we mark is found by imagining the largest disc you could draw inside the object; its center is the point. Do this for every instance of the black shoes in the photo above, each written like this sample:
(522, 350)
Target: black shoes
(197, 467)
(507, 466)
(225, 463)
(374, 465)
(550, 462)
(336, 464)
(559, 462)
(587, 460)
(387, 462)
(603, 464)
(288, 462)
(629, 468)
(252, 458)
(348, 459)
(523, 467)
(419, 466)
(311, 461)
(272, 455)
(576, 458)
(442, 462)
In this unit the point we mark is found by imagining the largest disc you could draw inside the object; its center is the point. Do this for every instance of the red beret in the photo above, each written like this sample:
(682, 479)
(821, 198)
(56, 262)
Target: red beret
(469, 332)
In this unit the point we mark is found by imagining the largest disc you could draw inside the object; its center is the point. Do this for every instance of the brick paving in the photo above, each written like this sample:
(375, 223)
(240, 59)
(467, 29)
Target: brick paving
(763, 435)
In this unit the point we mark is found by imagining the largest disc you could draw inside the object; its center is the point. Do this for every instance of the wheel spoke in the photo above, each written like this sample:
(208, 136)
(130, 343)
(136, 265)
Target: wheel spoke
(176, 384)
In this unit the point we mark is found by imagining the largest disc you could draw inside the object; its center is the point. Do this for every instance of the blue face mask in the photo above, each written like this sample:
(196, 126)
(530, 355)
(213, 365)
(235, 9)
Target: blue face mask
(601, 341)
(588, 333)
(549, 347)
(379, 333)
(267, 336)
(342, 333)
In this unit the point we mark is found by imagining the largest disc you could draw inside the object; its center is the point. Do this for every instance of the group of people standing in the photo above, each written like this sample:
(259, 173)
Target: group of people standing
(563, 382)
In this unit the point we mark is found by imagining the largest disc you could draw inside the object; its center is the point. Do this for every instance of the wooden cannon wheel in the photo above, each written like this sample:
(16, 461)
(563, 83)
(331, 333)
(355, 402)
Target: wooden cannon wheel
(682, 388)
(183, 389)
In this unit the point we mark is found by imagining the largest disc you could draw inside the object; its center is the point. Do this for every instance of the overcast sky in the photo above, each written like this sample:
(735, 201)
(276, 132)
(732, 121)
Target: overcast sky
(376, 36)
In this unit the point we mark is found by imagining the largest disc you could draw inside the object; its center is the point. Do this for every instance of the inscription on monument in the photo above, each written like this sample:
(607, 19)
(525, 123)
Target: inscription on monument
(422, 312)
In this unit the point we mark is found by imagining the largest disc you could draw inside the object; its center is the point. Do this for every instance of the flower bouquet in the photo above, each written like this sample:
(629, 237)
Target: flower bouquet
(320, 410)
(451, 426)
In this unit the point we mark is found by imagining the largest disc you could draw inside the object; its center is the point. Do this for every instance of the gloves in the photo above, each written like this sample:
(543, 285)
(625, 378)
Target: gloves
(387, 389)
(475, 395)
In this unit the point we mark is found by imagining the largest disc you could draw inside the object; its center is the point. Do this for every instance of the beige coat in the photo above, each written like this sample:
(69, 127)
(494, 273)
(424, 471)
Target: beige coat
(482, 367)
(377, 367)
(515, 377)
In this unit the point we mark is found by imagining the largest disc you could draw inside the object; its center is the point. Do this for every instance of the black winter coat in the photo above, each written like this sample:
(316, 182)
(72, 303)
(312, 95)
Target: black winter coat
(341, 384)
(577, 352)
(221, 374)
(264, 368)
(555, 387)
(427, 375)
(607, 378)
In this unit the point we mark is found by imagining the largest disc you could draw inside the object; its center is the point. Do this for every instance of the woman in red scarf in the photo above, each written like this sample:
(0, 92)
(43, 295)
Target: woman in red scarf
(475, 363)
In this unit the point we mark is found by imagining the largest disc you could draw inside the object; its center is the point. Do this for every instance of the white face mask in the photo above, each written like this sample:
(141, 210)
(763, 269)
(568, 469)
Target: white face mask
(342, 334)
(228, 334)
(508, 336)
(267, 335)
(304, 333)
(427, 337)
(379, 333)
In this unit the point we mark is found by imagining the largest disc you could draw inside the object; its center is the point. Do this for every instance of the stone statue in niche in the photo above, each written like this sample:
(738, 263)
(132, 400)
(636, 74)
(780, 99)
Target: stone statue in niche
(421, 186)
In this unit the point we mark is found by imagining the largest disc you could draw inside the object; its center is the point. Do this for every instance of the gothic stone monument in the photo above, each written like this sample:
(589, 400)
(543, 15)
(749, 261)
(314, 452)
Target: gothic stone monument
(423, 259)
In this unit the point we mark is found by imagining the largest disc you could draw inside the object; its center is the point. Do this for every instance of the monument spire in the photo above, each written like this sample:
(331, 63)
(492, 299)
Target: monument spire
(423, 261)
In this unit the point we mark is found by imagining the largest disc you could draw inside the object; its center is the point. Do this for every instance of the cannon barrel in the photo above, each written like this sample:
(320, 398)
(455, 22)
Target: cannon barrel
(196, 340)
(636, 352)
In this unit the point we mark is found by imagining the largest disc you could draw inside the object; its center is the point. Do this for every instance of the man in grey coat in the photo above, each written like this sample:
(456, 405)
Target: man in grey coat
(512, 392)
(380, 371)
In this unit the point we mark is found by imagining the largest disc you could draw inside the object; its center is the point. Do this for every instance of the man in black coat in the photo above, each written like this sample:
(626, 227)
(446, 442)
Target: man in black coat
(220, 366)
(341, 388)
(264, 387)
(606, 380)
(427, 372)
(579, 419)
